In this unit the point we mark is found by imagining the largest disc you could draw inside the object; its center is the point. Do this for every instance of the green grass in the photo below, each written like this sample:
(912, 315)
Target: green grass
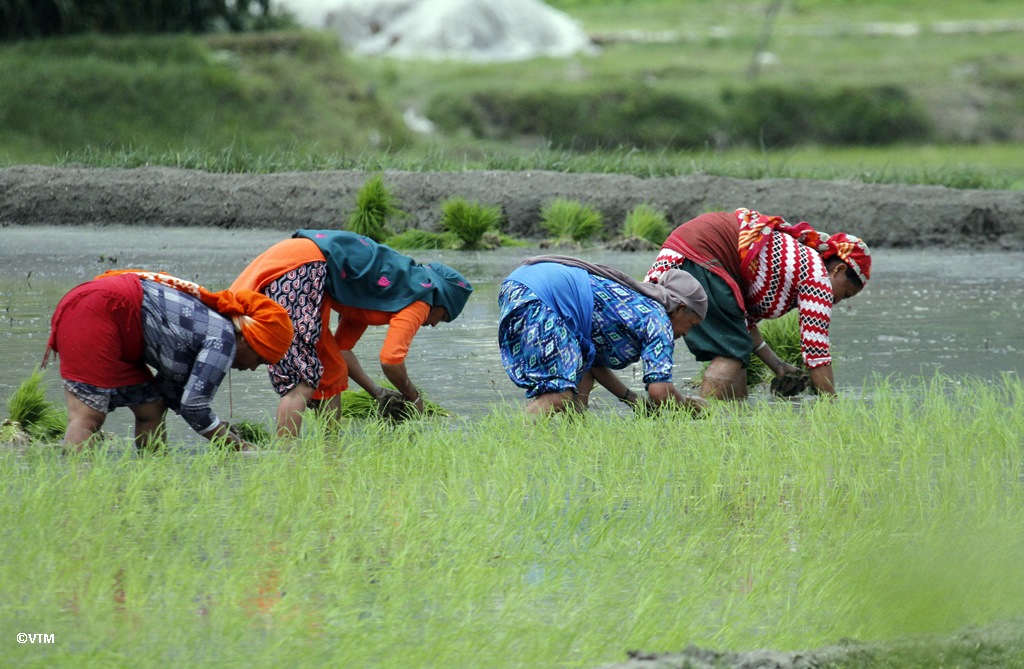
(294, 101)
(994, 166)
(501, 544)
(256, 94)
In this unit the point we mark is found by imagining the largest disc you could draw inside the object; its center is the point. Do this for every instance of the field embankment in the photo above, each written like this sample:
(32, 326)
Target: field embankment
(885, 215)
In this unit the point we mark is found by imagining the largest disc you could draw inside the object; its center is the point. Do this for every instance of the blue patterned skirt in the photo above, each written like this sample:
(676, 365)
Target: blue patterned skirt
(539, 353)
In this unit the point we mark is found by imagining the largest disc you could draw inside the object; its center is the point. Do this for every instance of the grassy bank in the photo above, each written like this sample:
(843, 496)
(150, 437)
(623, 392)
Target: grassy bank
(296, 101)
(995, 166)
(497, 544)
(260, 94)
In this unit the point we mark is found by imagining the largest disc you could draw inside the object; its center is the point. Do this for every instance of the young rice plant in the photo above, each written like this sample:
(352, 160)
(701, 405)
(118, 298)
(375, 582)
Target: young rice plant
(471, 221)
(376, 206)
(646, 222)
(783, 336)
(765, 525)
(571, 220)
(29, 408)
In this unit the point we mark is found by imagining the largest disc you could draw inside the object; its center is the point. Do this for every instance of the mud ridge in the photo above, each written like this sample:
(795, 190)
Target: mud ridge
(884, 215)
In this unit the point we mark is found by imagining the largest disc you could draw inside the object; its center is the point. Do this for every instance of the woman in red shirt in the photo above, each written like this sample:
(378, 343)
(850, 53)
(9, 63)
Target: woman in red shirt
(754, 267)
(366, 283)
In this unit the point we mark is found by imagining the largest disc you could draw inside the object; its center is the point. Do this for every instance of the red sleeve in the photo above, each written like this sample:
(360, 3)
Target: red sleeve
(814, 303)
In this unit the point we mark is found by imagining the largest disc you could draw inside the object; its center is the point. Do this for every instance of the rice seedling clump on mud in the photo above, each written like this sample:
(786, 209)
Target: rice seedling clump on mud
(646, 222)
(376, 206)
(471, 222)
(571, 221)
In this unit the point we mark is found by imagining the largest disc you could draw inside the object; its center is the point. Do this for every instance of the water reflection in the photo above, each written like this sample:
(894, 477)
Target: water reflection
(924, 311)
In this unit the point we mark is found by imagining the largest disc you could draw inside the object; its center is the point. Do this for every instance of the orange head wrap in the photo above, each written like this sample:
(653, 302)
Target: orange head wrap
(263, 322)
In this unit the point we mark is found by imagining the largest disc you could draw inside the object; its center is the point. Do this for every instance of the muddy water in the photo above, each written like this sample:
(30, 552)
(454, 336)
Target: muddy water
(958, 312)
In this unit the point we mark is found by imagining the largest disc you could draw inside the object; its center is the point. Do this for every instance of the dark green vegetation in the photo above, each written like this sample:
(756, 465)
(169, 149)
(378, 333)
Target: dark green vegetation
(229, 96)
(834, 97)
(589, 117)
(21, 19)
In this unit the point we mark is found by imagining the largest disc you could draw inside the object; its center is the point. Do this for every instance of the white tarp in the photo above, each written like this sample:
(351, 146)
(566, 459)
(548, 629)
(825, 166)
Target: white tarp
(478, 30)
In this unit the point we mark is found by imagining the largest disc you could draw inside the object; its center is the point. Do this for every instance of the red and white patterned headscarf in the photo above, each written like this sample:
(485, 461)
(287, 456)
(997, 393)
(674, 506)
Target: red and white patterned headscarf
(853, 251)
(756, 229)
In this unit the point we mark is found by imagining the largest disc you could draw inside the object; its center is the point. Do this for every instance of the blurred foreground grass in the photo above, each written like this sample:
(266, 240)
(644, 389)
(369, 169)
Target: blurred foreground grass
(504, 544)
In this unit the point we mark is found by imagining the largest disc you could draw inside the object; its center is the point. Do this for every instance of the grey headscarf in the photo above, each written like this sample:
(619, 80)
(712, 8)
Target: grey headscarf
(685, 288)
(675, 288)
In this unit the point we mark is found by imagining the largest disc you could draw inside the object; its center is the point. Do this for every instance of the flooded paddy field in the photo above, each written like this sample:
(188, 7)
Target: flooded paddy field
(925, 311)
(561, 545)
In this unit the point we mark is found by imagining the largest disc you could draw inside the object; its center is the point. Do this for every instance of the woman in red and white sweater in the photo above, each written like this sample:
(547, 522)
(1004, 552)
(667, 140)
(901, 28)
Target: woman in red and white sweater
(754, 267)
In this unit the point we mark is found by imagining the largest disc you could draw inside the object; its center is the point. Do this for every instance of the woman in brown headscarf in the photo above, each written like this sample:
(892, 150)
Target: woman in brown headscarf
(567, 323)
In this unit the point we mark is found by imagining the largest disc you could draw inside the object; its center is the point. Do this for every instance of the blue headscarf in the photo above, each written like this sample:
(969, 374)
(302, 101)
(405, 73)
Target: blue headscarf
(362, 273)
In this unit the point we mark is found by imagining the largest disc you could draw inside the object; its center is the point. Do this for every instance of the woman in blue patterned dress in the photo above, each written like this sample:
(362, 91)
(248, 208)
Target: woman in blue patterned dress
(566, 323)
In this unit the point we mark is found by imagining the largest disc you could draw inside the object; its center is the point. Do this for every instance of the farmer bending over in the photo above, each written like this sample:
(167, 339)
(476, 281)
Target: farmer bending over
(566, 323)
(107, 331)
(755, 267)
(366, 283)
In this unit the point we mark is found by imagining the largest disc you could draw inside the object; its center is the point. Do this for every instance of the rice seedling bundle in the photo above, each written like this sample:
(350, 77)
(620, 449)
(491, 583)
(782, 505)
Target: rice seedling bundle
(359, 404)
(571, 220)
(39, 417)
(646, 222)
(375, 207)
(470, 221)
(783, 336)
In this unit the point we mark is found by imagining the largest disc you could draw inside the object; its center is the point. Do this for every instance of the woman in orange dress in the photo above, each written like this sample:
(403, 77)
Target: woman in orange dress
(366, 284)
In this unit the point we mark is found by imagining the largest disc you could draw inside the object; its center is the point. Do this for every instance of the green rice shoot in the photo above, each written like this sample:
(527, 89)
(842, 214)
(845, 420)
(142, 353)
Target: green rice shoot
(415, 239)
(783, 336)
(471, 221)
(502, 543)
(29, 407)
(376, 207)
(254, 432)
(572, 221)
(361, 405)
(646, 222)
